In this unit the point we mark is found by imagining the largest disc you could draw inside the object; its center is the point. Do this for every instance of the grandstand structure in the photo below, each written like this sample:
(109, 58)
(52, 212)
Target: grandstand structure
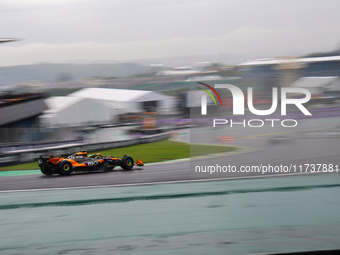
(283, 71)
(19, 112)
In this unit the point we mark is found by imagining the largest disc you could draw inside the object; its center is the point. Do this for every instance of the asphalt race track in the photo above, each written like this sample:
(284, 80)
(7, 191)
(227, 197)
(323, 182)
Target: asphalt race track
(314, 141)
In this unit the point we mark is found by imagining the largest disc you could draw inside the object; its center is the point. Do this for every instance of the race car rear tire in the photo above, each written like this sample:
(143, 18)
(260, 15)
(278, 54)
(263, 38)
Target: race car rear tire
(65, 168)
(47, 170)
(126, 163)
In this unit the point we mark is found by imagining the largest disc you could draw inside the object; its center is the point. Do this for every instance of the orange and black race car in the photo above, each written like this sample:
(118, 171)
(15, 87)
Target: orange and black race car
(81, 162)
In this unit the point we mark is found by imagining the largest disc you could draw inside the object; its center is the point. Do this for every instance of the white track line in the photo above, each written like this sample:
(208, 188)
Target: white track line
(158, 183)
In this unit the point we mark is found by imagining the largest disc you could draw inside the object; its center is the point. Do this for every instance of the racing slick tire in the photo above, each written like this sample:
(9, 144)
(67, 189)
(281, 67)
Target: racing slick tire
(65, 168)
(46, 170)
(126, 163)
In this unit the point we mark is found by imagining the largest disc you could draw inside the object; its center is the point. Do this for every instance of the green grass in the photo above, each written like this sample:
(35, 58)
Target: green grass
(149, 152)
(26, 166)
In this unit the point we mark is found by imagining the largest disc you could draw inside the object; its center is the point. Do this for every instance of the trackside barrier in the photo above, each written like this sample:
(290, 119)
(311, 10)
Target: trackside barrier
(7, 159)
(32, 146)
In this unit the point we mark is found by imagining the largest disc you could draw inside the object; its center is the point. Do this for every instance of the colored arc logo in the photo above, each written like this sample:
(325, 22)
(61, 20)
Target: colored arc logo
(213, 90)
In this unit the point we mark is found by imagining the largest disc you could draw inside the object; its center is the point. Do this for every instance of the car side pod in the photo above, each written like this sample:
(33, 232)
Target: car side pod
(139, 163)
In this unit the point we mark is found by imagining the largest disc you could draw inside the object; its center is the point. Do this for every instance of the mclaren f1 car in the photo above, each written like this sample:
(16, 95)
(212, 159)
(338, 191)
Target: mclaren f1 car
(80, 161)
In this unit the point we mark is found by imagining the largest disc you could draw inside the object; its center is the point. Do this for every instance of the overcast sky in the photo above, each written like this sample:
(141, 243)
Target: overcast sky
(62, 31)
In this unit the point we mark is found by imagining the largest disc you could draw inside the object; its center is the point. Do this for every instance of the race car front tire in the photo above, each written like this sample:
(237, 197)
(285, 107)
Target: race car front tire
(126, 163)
(65, 168)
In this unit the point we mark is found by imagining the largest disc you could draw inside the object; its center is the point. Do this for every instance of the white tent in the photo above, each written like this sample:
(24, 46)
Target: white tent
(74, 111)
(128, 101)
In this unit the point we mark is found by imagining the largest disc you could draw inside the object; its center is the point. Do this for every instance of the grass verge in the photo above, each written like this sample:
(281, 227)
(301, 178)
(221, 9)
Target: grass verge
(149, 152)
